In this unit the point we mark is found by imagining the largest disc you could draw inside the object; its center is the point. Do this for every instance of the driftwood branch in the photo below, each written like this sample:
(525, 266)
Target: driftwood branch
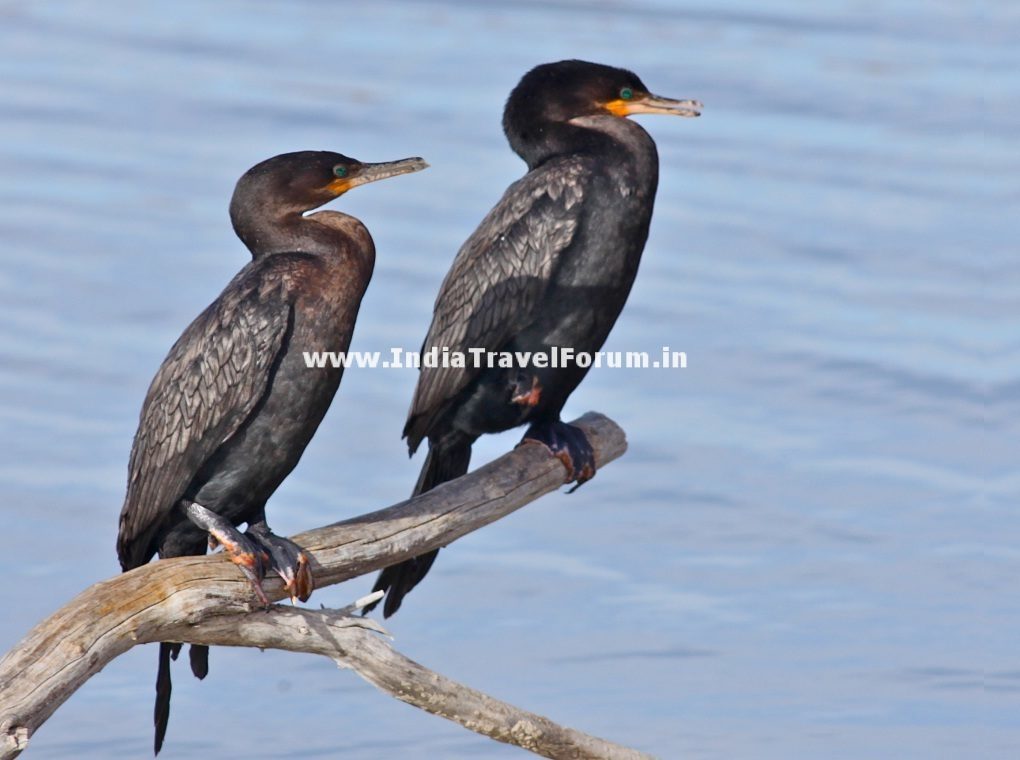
(353, 643)
(205, 600)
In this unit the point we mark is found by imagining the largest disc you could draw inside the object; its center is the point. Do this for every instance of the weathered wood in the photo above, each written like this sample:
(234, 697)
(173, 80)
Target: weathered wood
(182, 599)
(352, 642)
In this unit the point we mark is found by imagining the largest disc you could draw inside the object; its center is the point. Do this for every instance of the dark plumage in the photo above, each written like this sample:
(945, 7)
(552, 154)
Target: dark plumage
(233, 406)
(550, 266)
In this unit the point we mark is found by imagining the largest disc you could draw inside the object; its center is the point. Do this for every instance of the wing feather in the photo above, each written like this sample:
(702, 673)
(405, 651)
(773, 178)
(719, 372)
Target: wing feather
(498, 279)
(213, 377)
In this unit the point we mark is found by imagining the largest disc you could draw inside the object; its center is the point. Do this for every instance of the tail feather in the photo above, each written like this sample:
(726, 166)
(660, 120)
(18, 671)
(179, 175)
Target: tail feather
(161, 713)
(443, 463)
(198, 654)
(398, 580)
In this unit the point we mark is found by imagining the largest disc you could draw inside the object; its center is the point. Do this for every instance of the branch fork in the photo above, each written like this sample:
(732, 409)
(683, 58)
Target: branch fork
(205, 600)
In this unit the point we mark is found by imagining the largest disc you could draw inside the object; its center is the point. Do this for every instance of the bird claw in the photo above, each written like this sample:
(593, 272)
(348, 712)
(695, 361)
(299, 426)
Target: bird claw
(254, 576)
(301, 584)
(570, 445)
(297, 579)
(249, 557)
(289, 561)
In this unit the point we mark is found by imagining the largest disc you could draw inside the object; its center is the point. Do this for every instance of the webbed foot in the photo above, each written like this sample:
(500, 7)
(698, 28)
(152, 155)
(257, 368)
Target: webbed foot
(567, 443)
(286, 559)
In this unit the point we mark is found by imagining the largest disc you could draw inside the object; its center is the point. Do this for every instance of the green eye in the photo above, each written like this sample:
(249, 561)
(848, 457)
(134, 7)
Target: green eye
(340, 171)
(626, 93)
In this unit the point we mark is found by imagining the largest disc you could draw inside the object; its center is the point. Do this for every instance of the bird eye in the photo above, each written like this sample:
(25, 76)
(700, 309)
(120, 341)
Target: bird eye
(340, 171)
(626, 93)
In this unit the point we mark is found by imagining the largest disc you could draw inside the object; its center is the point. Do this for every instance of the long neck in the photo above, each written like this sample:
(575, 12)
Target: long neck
(268, 230)
(628, 143)
(550, 139)
(604, 135)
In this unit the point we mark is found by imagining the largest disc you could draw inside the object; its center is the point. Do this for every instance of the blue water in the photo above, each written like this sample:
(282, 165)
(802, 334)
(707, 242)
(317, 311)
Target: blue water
(811, 548)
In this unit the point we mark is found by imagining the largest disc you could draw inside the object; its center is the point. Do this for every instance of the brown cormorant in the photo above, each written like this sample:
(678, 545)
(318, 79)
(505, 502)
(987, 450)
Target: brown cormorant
(233, 406)
(550, 266)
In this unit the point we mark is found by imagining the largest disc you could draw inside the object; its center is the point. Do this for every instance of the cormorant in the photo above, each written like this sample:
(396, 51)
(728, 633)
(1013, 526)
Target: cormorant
(551, 265)
(233, 406)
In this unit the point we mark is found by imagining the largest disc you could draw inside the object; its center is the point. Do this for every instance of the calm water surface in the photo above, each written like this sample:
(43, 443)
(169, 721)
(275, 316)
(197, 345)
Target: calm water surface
(811, 548)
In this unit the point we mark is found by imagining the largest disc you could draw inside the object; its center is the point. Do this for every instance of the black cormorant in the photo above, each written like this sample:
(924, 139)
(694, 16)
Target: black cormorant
(550, 266)
(233, 406)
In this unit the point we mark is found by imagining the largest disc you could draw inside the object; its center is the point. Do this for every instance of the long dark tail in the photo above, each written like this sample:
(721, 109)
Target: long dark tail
(161, 715)
(199, 656)
(443, 463)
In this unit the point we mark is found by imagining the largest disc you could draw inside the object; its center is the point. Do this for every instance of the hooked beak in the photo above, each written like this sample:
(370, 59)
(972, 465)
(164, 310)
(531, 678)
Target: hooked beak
(654, 104)
(373, 172)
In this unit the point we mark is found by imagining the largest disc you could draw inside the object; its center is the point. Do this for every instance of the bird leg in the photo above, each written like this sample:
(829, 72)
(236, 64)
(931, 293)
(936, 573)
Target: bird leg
(567, 443)
(287, 559)
(243, 551)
